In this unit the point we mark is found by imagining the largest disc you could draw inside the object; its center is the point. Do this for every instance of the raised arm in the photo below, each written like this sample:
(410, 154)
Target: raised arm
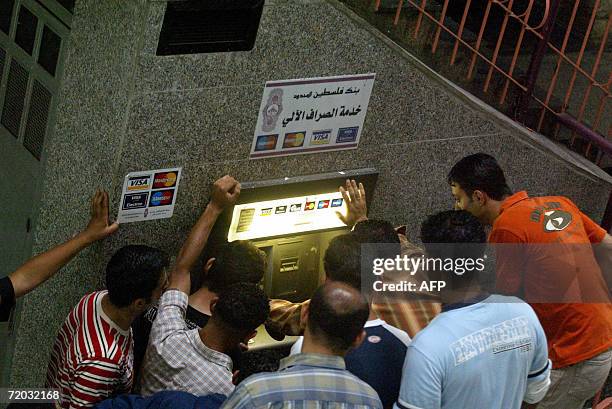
(40, 268)
(355, 199)
(225, 192)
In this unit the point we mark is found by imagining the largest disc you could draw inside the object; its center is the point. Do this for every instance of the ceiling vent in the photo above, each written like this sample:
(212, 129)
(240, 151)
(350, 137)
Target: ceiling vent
(209, 26)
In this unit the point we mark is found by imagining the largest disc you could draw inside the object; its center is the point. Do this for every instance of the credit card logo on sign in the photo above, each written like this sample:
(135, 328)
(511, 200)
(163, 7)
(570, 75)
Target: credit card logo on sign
(309, 206)
(347, 134)
(320, 137)
(323, 204)
(135, 201)
(165, 179)
(336, 203)
(162, 198)
(294, 139)
(139, 183)
(266, 142)
(266, 212)
(295, 207)
(280, 209)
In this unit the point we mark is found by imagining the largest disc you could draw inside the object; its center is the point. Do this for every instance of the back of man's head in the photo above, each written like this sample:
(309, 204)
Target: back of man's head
(134, 272)
(241, 308)
(342, 260)
(376, 231)
(379, 241)
(239, 261)
(458, 236)
(480, 172)
(336, 316)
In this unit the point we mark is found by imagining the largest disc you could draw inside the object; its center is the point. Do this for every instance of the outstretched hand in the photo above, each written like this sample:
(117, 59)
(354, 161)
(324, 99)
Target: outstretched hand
(355, 199)
(99, 225)
(225, 192)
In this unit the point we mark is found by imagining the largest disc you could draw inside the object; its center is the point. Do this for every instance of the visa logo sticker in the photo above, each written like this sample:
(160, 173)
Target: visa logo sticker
(135, 201)
(336, 203)
(266, 212)
(139, 183)
(321, 137)
(162, 198)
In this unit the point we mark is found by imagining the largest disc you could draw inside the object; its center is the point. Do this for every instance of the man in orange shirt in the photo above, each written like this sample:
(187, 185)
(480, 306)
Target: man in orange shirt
(546, 253)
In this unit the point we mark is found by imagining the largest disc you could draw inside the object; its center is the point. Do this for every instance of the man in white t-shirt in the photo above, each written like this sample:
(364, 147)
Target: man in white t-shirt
(482, 351)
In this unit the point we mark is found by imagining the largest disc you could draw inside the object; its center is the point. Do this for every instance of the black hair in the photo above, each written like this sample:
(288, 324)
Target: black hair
(342, 260)
(235, 262)
(454, 235)
(375, 231)
(337, 317)
(134, 272)
(480, 172)
(242, 307)
(379, 240)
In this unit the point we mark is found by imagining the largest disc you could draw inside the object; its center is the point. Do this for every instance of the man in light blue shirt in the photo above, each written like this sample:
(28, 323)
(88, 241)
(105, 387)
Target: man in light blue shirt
(482, 351)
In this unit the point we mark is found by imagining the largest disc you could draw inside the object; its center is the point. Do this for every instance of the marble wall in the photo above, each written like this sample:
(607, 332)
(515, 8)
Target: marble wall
(124, 109)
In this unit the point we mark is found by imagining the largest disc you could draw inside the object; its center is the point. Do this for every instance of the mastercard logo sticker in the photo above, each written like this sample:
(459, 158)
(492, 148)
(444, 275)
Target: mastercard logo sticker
(309, 206)
(294, 140)
(165, 179)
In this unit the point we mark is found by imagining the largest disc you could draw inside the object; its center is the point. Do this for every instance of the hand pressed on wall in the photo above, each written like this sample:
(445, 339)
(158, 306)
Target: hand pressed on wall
(99, 225)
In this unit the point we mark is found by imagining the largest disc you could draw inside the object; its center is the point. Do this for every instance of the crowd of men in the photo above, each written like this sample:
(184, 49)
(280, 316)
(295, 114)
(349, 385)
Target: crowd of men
(542, 337)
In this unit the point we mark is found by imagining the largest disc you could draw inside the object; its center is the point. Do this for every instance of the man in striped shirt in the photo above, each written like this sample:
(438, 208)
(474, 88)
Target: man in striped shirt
(92, 357)
(317, 377)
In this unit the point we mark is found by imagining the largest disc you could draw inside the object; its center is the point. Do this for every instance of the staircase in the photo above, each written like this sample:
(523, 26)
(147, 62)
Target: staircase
(546, 64)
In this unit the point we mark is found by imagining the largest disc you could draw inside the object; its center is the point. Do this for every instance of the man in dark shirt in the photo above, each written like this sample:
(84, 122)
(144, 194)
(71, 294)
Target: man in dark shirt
(235, 262)
(42, 267)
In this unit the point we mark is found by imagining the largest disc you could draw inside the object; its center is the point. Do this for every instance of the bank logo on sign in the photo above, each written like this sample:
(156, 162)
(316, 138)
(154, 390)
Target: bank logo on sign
(556, 220)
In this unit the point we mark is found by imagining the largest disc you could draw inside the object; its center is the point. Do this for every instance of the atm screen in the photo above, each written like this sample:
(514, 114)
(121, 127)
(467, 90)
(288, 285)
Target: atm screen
(298, 214)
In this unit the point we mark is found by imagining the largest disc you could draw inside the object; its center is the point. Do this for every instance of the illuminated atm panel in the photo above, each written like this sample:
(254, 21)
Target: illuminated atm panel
(292, 220)
(292, 215)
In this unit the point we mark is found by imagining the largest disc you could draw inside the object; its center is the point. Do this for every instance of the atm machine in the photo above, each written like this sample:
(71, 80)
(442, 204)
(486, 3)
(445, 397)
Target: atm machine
(292, 220)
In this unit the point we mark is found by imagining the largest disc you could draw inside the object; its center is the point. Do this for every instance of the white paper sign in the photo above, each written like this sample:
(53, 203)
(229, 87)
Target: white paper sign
(311, 115)
(149, 195)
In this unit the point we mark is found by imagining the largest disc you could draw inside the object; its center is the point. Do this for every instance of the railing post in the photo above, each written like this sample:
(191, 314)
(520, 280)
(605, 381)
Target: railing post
(536, 61)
